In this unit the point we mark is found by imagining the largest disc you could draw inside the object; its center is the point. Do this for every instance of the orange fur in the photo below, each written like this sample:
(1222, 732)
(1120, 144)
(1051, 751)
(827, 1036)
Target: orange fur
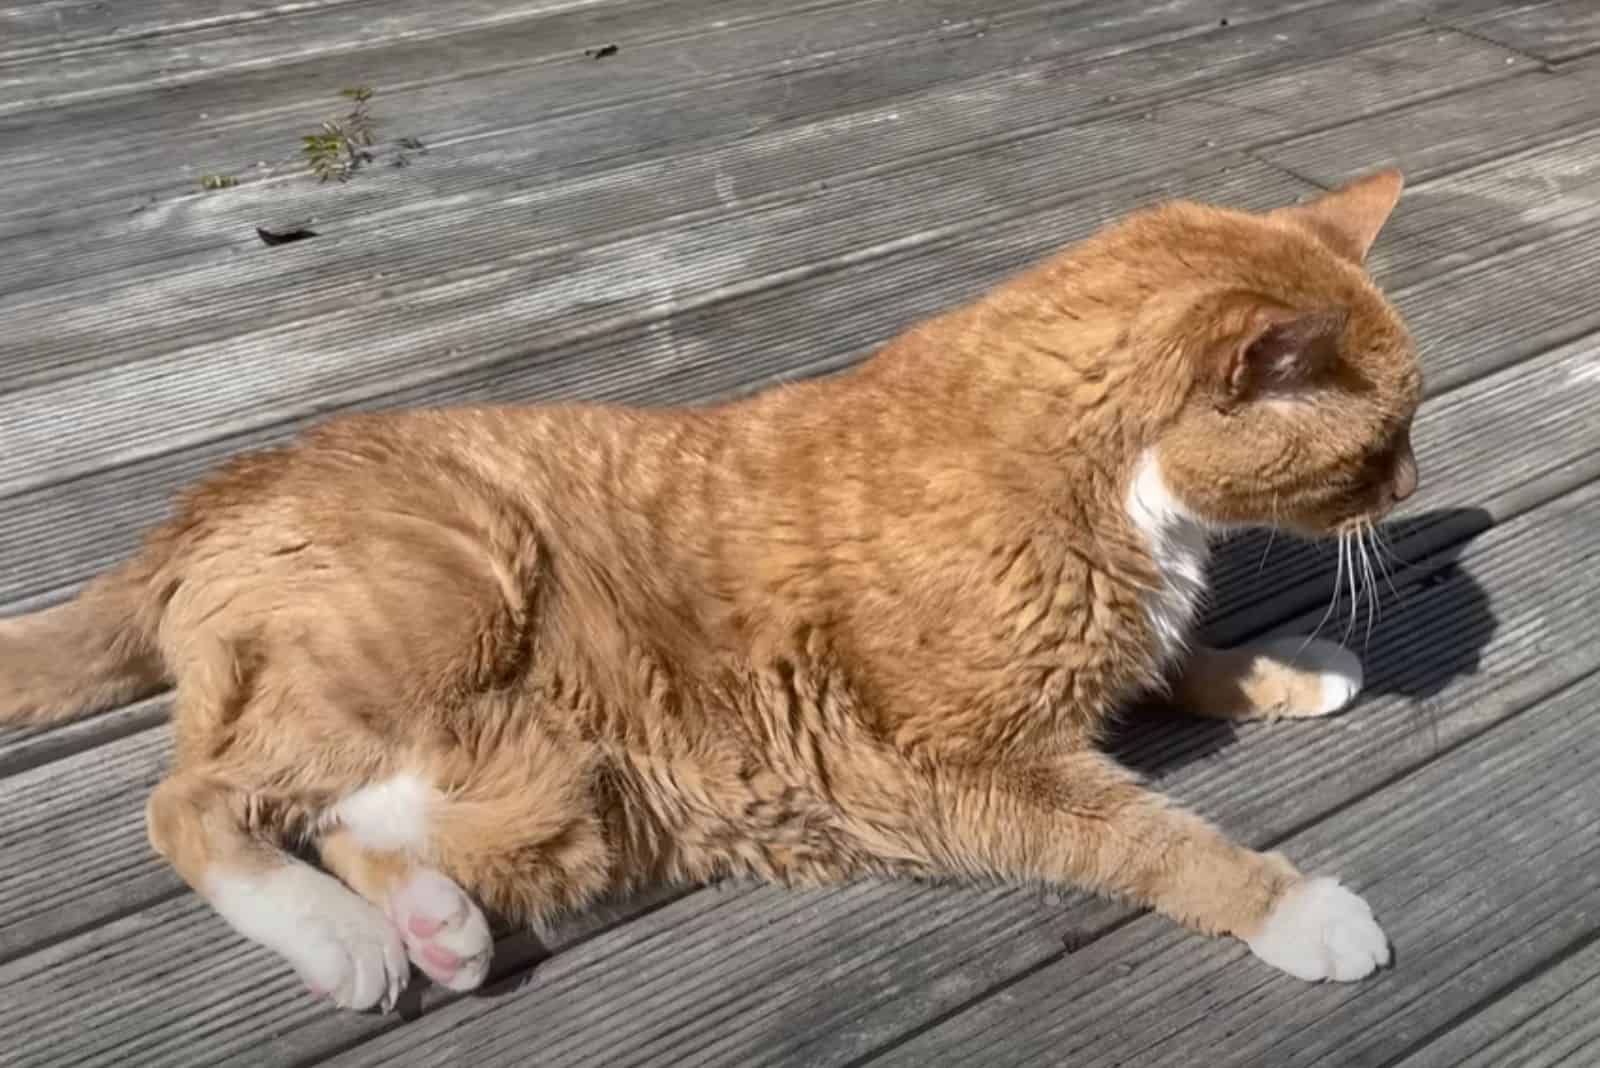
(872, 624)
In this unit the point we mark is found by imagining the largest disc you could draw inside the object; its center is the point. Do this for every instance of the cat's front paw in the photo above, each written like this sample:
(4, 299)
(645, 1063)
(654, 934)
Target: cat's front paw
(353, 955)
(1327, 676)
(446, 934)
(1319, 930)
(342, 947)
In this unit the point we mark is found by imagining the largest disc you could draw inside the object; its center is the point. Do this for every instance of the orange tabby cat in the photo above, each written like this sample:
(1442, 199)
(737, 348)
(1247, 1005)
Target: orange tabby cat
(872, 625)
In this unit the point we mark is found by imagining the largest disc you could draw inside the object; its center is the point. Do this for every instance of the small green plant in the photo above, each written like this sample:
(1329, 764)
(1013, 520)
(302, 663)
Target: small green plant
(342, 145)
(212, 182)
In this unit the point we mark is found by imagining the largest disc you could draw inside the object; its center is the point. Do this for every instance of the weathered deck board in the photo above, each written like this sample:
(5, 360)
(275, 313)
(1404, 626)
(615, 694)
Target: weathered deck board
(747, 192)
(1546, 1019)
(584, 115)
(1556, 31)
(1464, 216)
(1465, 899)
(308, 298)
(468, 182)
(1461, 128)
(56, 27)
(427, 41)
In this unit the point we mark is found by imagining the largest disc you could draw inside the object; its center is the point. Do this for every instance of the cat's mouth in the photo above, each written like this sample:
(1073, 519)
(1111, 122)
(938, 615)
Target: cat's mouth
(1377, 502)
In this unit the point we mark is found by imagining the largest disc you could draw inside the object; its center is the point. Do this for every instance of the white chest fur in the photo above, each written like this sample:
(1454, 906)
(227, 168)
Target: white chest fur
(1178, 543)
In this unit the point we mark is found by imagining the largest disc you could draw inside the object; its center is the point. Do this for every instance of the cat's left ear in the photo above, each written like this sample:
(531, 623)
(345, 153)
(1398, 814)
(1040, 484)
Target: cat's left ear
(1348, 219)
(1278, 350)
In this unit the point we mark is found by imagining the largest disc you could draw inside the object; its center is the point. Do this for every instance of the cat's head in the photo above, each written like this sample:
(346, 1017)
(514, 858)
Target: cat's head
(1302, 379)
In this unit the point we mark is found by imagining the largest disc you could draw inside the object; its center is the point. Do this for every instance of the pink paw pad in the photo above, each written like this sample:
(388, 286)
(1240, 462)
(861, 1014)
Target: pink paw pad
(445, 934)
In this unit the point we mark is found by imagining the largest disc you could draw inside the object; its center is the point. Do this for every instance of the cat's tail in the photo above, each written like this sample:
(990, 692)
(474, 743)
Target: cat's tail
(92, 653)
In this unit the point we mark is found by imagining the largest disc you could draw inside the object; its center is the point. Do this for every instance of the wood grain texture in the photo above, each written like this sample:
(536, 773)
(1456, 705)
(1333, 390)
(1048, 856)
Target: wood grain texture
(1546, 1018)
(468, 182)
(1563, 29)
(280, 300)
(700, 78)
(1468, 903)
(750, 192)
(1539, 103)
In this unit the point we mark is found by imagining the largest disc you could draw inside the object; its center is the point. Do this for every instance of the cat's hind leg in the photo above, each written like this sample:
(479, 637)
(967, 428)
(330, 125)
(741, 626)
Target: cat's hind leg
(1285, 677)
(518, 830)
(445, 932)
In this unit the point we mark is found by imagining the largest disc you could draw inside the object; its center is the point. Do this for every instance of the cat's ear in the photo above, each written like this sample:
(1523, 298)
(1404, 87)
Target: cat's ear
(1348, 219)
(1278, 350)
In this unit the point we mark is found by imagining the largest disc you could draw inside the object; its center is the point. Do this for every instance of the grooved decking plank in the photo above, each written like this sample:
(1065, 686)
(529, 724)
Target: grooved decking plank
(31, 28)
(319, 295)
(1547, 1018)
(1556, 31)
(1463, 217)
(749, 193)
(426, 41)
(1481, 865)
(659, 94)
(1451, 131)
(486, 187)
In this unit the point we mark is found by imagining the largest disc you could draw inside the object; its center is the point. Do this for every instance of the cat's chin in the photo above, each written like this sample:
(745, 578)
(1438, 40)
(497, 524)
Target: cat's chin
(1347, 525)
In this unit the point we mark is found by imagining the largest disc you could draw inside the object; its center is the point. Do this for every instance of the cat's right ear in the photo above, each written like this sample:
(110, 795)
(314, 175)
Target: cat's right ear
(1348, 219)
(1273, 349)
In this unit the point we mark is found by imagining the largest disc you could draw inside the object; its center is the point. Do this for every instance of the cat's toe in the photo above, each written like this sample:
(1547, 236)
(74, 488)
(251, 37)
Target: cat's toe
(445, 934)
(1337, 672)
(356, 958)
(1318, 931)
(341, 946)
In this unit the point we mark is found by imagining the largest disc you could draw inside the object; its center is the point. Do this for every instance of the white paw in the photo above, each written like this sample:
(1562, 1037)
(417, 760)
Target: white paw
(1319, 930)
(340, 945)
(1339, 667)
(445, 933)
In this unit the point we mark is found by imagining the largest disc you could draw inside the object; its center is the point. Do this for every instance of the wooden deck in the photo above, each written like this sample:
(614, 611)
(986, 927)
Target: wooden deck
(754, 190)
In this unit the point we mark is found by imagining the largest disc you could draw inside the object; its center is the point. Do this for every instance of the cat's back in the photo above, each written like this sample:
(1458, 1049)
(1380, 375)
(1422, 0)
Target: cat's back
(374, 569)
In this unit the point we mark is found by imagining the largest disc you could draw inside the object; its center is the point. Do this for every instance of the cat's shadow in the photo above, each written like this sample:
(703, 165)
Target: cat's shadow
(1430, 624)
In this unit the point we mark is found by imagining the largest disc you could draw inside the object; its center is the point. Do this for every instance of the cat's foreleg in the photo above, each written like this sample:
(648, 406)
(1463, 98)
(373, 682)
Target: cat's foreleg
(1288, 677)
(1085, 822)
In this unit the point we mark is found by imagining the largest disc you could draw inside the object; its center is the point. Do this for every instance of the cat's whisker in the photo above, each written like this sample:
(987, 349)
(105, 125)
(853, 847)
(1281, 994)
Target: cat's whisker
(1374, 601)
(1387, 547)
(1374, 595)
(1338, 584)
(1347, 547)
(1378, 558)
(1272, 533)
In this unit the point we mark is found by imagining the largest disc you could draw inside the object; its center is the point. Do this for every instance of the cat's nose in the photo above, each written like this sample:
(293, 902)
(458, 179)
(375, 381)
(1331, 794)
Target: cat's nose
(1405, 475)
